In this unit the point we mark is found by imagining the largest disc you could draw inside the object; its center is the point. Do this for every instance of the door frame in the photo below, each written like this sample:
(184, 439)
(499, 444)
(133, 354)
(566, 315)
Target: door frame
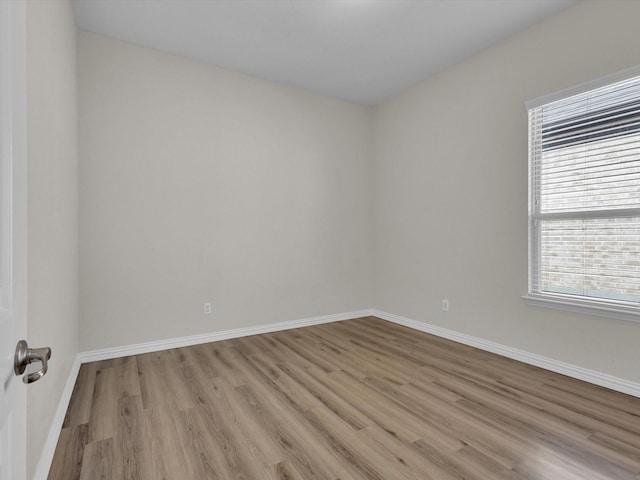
(13, 24)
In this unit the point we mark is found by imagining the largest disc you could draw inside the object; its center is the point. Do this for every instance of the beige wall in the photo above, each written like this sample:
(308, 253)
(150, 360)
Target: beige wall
(451, 190)
(53, 212)
(201, 185)
(198, 184)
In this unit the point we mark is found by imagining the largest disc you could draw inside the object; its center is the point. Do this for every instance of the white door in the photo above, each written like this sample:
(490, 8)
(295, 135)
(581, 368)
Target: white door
(13, 238)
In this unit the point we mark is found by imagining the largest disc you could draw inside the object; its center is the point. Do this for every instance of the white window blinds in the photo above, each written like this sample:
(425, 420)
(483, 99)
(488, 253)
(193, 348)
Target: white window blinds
(584, 207)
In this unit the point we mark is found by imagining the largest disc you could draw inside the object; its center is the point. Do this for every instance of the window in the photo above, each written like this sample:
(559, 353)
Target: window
(584, 199)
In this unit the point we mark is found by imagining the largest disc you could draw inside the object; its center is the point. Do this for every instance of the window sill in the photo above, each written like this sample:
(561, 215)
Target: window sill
(620, 312)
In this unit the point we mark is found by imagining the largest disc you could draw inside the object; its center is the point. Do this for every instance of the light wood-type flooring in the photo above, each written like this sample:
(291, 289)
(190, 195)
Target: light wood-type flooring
(360, 399)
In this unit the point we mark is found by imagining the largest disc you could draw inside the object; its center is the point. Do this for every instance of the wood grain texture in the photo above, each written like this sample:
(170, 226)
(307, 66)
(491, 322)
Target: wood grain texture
(354, 400)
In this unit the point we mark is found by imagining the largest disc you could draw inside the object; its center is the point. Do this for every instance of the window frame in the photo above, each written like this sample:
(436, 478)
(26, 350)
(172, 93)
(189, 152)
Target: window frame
(568, 302)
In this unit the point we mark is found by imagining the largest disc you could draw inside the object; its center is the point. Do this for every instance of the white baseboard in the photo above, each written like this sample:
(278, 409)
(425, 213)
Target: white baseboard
(46, 457)
(580, 373)
(137, 349)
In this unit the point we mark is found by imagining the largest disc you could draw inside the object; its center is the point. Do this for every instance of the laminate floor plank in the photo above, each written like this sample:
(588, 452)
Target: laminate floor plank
(308, 353)
(82, 397)
(574, 414)
(362, 361)
(127, 383)
(528, 418)
(161, 385)
(556, 450)
(497, 444)
(224, 358)
(71, 444)
(167, 458)
(132, 449)
(246, 418)
(204, 454)
(355, 400)
(104, 408)
(326, 396)
(300, 446)
(97, 461)
(279, 380)
(243, 437)
(361, 455)
(283, 471)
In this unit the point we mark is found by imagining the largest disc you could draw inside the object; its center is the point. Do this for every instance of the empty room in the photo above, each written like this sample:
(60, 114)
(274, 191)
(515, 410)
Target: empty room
(320, 239)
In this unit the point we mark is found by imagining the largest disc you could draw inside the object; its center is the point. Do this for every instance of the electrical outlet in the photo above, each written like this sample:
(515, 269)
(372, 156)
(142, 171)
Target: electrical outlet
(445, 305)
(207, 308)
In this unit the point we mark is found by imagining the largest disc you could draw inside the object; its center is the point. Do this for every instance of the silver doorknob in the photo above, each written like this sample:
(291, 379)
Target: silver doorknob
(26, 356)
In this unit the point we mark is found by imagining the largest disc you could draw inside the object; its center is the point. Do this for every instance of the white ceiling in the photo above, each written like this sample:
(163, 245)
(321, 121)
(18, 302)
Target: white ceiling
(362, 51)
